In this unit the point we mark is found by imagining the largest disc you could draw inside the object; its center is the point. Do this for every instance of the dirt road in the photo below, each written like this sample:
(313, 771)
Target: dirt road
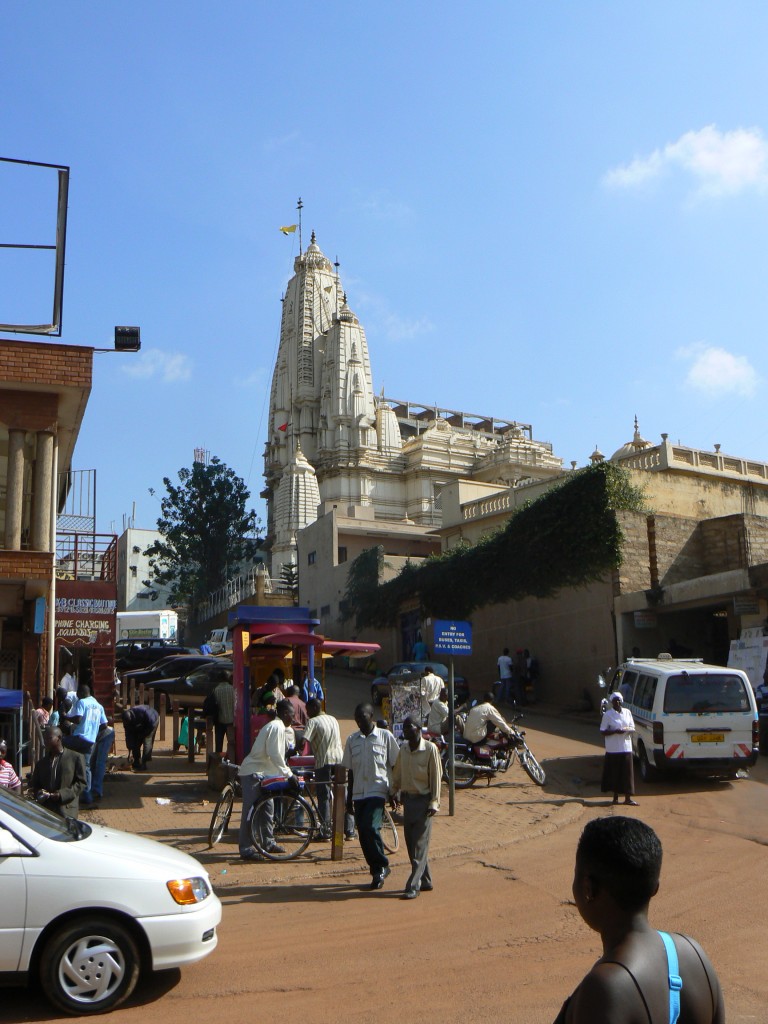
(498, 939)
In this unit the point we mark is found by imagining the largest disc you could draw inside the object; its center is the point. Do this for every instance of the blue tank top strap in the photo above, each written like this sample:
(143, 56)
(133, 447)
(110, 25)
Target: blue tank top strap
(675, 981)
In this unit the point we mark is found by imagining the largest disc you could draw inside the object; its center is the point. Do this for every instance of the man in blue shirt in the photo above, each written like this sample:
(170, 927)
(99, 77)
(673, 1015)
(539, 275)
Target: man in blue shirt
(311, 689)
(87, 716)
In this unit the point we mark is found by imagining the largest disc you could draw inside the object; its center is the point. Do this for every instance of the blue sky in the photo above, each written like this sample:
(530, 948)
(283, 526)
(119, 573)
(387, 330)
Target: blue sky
(550, 212)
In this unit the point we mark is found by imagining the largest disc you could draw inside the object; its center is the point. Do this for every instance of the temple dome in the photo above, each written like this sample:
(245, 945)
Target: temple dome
(637, 444)
(387, 428)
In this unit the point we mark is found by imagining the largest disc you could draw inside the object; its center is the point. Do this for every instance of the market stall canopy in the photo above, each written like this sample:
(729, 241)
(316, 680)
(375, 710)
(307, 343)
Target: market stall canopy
(288, 640)
(350, 648)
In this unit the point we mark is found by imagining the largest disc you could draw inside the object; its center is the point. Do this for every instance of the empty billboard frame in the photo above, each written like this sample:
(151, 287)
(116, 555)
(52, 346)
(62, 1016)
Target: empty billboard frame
(21, 246)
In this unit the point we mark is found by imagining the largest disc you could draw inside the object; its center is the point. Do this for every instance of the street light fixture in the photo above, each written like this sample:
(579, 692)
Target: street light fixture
(127, 339)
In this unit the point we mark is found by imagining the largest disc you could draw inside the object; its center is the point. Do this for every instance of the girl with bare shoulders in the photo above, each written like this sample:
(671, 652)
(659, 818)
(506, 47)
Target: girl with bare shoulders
(643, 976)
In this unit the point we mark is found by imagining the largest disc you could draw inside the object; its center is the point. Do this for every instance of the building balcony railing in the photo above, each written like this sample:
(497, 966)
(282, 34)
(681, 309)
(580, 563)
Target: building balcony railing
(86, 556)
(238, 590)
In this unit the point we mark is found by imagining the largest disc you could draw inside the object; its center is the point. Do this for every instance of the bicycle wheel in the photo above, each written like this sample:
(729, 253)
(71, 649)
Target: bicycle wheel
(290, 821)
(532, 767)
(221, 815)
(389, 833)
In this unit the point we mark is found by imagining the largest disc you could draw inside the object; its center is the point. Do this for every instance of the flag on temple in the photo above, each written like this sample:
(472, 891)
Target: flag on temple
(284, 427)
(289, 230)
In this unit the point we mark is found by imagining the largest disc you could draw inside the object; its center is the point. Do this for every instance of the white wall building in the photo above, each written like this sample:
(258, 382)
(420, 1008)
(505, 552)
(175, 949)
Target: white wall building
(133, 572)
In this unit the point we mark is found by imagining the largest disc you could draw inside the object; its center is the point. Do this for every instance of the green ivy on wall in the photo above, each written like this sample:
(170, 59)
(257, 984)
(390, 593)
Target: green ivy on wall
(569, 537)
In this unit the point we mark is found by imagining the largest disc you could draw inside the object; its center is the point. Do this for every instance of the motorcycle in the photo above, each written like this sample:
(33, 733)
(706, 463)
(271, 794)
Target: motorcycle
(496, 754)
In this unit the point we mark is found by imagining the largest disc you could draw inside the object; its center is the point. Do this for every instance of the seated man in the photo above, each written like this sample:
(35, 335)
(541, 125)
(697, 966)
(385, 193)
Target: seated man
(437, 720)
(482, 720)
(266, 760)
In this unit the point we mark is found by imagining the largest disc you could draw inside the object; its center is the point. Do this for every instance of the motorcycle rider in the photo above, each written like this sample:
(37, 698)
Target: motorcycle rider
(483, 719)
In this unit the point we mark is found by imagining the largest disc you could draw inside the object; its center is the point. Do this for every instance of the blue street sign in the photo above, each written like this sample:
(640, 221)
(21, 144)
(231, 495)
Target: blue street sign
(452, 637)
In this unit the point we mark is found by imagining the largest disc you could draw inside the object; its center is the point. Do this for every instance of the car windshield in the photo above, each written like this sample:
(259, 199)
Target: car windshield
(40, 820)
(699, 692)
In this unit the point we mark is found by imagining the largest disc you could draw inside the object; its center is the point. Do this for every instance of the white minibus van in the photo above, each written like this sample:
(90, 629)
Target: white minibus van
(689, 717)
(221, 641)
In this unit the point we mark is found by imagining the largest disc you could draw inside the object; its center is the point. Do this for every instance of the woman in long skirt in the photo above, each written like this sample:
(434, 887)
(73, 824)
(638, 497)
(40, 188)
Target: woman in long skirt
(617, 727)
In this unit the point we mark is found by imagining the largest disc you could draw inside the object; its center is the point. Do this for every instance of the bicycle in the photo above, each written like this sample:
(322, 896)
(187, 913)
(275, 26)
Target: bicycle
(289, 813)
(296, 819)
(222, 812)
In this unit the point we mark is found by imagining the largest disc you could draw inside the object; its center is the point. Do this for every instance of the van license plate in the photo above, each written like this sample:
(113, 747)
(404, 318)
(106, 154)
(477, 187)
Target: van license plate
(708, 737)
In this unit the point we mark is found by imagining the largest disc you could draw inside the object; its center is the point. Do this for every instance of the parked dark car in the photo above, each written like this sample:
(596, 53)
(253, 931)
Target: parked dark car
(140, 652)
(380, 685)
(168, 668)
(197, 682)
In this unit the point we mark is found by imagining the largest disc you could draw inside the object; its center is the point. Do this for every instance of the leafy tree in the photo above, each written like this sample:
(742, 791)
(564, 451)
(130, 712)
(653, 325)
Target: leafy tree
(207, 531)
(289, 574)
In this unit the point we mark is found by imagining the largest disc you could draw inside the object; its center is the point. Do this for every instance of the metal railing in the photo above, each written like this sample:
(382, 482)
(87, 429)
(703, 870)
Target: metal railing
(86, 556)
(237, 590)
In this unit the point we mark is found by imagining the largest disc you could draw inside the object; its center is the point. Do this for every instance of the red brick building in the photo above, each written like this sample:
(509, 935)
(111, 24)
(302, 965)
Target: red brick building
(44, 389)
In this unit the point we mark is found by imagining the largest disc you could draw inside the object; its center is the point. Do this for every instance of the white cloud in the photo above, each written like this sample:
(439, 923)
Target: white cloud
(165, 366)
(377, 316)
(715, 372)
(381, 206)
(399, 328)
(722, 163)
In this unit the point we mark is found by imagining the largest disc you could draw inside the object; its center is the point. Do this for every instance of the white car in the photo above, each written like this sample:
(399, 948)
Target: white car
(83, 908)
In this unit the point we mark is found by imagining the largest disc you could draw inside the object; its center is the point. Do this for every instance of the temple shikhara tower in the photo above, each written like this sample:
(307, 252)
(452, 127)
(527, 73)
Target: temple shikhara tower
(375, 466)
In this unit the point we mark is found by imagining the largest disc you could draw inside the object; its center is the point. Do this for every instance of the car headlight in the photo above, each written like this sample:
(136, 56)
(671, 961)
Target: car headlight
(188, 890)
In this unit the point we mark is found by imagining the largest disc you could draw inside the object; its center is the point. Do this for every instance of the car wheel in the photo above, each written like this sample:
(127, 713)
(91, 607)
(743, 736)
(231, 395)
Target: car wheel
(648, 772)
(89, 966)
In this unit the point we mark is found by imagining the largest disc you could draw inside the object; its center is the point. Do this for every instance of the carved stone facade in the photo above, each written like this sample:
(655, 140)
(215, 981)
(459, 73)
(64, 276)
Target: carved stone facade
(334, 445)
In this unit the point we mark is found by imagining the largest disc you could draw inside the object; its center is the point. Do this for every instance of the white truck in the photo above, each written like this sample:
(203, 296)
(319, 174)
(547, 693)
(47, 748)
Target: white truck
(162, 623)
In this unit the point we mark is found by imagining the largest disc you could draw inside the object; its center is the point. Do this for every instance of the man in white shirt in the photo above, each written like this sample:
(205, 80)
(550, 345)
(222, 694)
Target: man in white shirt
(266, 760)
(369, 755)
(437, 722)
(483, 719)
(430, 688)
(322, 734)
(506, 675)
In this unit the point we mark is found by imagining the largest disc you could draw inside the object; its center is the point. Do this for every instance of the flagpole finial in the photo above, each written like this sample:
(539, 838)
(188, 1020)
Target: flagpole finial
(300, 207)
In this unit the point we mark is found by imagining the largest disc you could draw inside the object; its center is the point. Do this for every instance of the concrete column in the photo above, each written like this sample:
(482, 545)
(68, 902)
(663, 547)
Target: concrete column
(43, 491)
(14, 502)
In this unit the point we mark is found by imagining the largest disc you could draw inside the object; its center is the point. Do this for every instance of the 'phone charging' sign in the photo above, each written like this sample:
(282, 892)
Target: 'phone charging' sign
(452, 637)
